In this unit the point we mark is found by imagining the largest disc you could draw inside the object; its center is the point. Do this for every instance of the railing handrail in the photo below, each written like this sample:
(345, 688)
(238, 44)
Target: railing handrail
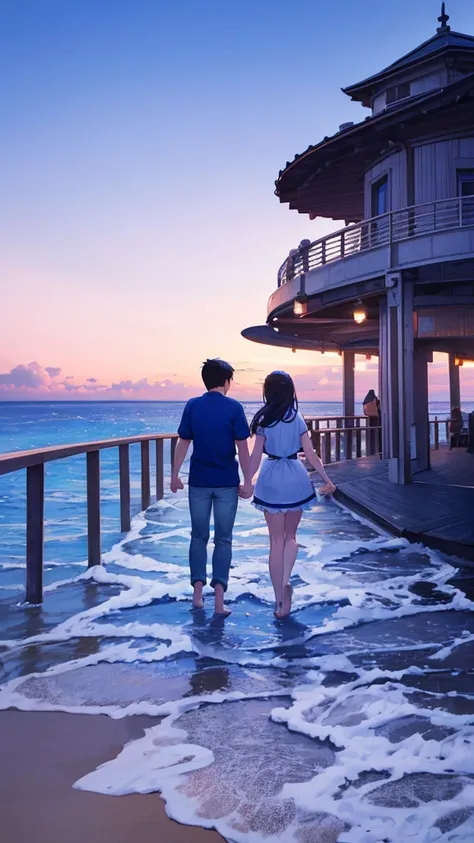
(334, 418)
(16, 460)
(373, 223)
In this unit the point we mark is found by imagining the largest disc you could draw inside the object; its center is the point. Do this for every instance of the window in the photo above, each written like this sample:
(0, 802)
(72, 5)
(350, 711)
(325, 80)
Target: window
(398, 92)
(379, 228)
(466, 192)
(380, 197)
(465, 182)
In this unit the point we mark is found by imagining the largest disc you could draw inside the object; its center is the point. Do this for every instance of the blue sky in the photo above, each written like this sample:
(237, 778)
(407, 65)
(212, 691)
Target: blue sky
(140, 143)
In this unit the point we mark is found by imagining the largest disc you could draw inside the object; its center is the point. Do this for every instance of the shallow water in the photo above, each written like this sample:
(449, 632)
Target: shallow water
(353, 721)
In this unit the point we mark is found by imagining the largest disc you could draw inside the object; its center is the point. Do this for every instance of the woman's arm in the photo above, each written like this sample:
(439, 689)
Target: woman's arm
(253, 465)
(256, 456)
(179, 457)
(242, 446)
(313, 458)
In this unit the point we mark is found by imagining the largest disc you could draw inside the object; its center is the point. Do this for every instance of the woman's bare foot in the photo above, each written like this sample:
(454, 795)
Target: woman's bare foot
(286, 606)
(198, 602)
(278, 610)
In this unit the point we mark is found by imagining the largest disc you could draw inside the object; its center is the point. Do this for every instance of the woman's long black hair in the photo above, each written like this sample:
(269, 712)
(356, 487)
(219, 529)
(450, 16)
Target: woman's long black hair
(280, 401)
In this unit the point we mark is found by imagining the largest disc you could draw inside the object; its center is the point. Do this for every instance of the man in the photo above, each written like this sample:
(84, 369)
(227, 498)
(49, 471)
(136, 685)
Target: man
(215, 424)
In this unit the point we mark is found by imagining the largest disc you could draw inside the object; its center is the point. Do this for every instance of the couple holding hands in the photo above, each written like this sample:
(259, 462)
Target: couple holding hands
(216, 426)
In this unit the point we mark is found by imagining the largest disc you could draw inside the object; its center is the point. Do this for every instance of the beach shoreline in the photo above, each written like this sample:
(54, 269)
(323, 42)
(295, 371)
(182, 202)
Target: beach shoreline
(45, 753)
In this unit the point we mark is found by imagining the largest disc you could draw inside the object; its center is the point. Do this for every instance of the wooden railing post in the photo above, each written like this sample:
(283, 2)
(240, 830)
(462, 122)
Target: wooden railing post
(145, 464)
(348, 431)
(327, 446)
(358, 442)
(338, 445)
(173, 444)
(34, 533)
(124, 464)
(93, 508)
(436, 433)
(160, 485)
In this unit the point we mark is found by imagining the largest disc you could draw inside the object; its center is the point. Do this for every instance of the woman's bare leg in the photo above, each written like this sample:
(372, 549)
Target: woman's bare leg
(290, 552)
(276, 528)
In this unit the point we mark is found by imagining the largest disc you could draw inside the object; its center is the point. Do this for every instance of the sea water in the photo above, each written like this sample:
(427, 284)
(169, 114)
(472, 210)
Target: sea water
(352, 721)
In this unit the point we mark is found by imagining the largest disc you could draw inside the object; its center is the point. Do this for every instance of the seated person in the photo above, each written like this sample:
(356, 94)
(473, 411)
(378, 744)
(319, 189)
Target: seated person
(457, 433)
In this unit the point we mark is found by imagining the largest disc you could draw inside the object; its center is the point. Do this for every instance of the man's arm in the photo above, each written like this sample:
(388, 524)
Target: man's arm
(179, 457)
(242, 446)
(185, 433)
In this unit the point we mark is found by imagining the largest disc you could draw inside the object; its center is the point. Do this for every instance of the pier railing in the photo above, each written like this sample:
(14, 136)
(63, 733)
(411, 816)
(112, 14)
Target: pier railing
(334, 438)
(337, 438)
(34, 462)
(393, 227)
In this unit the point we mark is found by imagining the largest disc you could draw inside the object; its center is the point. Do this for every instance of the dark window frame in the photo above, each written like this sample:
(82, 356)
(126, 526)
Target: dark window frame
(377, 185)
(398, 92)
(464, 176)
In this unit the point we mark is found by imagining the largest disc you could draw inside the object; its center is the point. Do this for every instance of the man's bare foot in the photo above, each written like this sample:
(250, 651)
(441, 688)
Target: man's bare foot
(198, 602)
(220, 608)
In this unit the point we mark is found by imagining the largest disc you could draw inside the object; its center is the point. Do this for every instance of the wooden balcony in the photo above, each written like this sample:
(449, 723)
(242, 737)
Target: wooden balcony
(393, 227)
(419, 234)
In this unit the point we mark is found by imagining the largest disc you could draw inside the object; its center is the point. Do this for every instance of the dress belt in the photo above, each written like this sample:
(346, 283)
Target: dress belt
(291, 457)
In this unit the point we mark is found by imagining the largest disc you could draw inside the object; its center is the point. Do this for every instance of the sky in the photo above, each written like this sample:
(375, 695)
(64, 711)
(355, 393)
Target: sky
(140, 142)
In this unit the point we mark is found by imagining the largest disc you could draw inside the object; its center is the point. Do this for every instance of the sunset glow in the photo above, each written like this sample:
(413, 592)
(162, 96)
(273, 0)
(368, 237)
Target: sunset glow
(140, 233)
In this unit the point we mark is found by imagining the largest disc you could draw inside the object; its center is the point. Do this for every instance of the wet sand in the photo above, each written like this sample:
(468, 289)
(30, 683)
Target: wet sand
(43, 754)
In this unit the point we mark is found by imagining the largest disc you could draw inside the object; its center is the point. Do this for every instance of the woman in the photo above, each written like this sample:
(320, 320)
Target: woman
(371, 407)
(283, 488)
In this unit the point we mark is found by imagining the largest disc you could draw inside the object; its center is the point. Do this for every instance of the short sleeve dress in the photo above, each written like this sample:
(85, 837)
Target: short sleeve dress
(283, 484)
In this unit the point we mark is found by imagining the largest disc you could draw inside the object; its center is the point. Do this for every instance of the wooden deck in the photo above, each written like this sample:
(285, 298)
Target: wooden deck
(437, 509)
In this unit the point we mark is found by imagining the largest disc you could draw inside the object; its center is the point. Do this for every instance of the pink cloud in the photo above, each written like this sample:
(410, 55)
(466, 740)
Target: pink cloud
(321, 381)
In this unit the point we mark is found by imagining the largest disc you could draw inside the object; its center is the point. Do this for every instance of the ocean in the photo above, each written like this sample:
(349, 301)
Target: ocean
(349, 722)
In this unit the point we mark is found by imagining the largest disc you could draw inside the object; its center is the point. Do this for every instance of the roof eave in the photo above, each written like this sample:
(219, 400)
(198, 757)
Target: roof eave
(287, 194)
(359, 90)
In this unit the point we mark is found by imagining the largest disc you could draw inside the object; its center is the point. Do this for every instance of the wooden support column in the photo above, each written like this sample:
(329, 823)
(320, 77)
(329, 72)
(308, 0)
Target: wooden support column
(145, 461)
(421, 409)
(34, 533)
(348, 398)
(124, 464)
(93, 508)
(400, 379)
(454, 383)
(384, 377)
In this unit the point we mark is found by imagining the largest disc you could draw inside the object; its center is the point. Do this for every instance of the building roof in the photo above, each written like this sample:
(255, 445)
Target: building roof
(327, 179)
(443, 43)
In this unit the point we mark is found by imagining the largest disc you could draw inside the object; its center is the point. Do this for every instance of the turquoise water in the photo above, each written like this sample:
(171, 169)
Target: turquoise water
(350, 722)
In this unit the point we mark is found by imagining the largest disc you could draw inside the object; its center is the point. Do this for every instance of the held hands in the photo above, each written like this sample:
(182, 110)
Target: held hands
(246, 490)
(176, 484)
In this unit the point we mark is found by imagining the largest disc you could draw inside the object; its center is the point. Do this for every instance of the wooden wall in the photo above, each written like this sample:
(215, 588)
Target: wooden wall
(436, 166)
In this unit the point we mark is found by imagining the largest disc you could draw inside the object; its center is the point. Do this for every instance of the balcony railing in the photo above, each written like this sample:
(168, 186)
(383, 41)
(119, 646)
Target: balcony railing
(393, 227)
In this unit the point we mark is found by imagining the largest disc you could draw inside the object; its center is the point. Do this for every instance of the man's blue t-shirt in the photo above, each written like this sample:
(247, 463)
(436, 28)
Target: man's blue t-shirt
(213, 422)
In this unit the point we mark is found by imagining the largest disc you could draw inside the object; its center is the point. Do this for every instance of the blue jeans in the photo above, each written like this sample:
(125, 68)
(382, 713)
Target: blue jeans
(224, 503)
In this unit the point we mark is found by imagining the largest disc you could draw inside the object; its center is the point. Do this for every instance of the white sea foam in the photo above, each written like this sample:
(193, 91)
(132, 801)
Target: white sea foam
(417, 781)
(342, 796)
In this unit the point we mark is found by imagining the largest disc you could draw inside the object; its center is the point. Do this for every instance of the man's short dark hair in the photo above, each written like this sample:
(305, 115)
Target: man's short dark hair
(216, 373)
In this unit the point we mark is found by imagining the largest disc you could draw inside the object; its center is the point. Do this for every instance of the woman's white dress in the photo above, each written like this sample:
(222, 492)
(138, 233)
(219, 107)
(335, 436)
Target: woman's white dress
(283, 484)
